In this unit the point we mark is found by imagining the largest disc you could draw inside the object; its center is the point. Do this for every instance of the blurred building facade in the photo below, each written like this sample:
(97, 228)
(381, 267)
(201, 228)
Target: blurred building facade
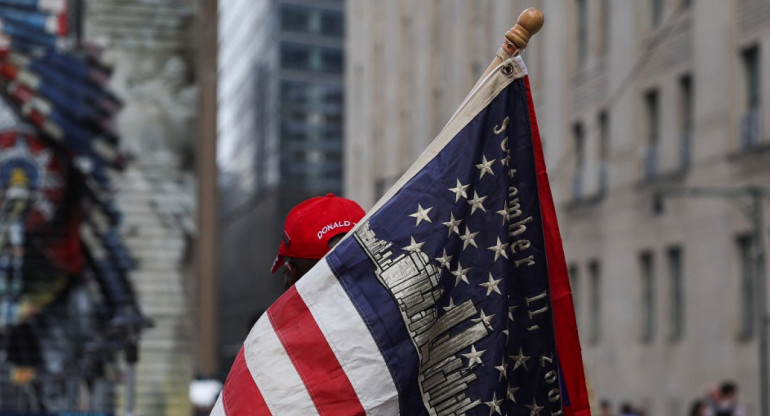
(631, 97)
(279, 129)
(151, 48)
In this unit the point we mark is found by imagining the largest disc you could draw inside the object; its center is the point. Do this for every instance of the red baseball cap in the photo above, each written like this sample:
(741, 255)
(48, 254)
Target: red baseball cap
(311, 224)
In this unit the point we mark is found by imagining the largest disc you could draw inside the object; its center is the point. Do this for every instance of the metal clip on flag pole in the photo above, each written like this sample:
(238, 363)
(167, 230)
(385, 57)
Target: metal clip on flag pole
(530, 21)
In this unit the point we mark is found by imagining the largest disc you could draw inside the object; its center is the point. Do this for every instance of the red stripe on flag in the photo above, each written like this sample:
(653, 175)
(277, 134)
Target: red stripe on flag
(565, 326)
(240, 396)
(316, 364)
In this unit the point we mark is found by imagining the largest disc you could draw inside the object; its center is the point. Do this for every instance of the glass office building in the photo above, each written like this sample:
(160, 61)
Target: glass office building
(279, 129)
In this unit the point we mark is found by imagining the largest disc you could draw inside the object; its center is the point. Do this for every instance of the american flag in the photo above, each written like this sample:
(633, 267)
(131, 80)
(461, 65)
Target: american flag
(442, 300)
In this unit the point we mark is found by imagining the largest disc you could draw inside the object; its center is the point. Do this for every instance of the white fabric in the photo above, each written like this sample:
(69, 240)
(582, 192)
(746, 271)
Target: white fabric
(276, 380)
(348, 336)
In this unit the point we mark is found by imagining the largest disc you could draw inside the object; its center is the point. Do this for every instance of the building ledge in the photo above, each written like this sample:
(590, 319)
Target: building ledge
(759, 150)
(663, 178)
(588, 201)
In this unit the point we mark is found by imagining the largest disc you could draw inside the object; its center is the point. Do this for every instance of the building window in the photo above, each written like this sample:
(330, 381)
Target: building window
(304, 57)
(604, 151)
(582, 32)
(656, 12)
(574, 283)
(333, 23)
(747, 269)
(604, 35)
(652, 110)
(750, 119)
(577, 177)
(676, 292)
(646, 266)
(595, 305)
(686, 121)
(296, 18)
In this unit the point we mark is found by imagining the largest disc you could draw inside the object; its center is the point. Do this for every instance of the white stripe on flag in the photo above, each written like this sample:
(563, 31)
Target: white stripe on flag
(350, 340)
(219, 408)
(278, 381)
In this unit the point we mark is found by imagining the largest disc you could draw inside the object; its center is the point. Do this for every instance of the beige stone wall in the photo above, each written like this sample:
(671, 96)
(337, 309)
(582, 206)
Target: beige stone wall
(408, 69)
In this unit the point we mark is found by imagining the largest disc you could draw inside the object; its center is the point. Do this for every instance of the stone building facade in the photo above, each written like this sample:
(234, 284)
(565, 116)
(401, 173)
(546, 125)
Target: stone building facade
(632, 98)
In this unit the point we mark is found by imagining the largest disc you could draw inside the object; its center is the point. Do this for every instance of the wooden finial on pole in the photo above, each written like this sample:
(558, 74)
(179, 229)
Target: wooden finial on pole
(530, 21)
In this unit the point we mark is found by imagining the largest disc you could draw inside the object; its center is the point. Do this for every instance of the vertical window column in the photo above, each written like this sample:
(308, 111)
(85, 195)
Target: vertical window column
(582, 32)
(647, 299)
(686, 121)
(653, 134)
(577, 177)
(747, 269)
(676, 293)
(594, 271)
(604, 152)
(750, 120)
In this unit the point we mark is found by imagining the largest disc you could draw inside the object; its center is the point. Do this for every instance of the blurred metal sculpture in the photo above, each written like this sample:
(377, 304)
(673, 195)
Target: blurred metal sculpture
(67, 307)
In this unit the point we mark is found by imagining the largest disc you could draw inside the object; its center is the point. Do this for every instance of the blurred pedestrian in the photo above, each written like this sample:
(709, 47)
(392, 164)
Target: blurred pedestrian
(312, 228)
(698, 408)
(605, 408)
(627, 410)
(727, 403)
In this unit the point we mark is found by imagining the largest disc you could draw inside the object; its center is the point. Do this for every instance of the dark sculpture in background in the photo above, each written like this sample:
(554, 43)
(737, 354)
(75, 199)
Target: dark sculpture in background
(67, 308)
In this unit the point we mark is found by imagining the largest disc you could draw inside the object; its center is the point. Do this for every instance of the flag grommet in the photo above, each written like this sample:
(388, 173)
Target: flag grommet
(507, 69)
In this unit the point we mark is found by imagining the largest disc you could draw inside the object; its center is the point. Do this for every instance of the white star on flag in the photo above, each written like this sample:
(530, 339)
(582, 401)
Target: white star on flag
(477, 202)
(461, 274)
(421, 214)
(511, 393)
(474, 356)
(499, 249)
(520, 360)
(413, 246)
(453, 224)
(487, 319)
(444, 260)
(534, 408)
(469, 238)
(459, 190)
(491, 285)
(502, 368)
(494, 404)
(485, 167)
(504, 213)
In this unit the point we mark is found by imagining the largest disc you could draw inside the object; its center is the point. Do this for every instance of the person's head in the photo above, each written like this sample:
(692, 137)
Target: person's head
(626, 408)
(697, 408)
(605, 408)
(312, 228)
(728, 390)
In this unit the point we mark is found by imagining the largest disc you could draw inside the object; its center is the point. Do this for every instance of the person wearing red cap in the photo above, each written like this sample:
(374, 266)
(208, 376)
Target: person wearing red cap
(312, 228)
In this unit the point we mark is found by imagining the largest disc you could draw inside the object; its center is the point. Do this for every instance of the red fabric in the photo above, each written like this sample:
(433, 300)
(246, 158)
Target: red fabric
(324, 378)
(565, 325)
(240, 396)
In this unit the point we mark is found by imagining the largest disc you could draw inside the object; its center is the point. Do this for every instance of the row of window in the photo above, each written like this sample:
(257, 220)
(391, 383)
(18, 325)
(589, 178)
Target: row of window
(651, 285)
(312, 20)
(750, 131)
(583, 23)
(312, 58)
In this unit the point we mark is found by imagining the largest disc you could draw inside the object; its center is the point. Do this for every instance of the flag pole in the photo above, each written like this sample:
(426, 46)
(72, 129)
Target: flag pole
(529, 22)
